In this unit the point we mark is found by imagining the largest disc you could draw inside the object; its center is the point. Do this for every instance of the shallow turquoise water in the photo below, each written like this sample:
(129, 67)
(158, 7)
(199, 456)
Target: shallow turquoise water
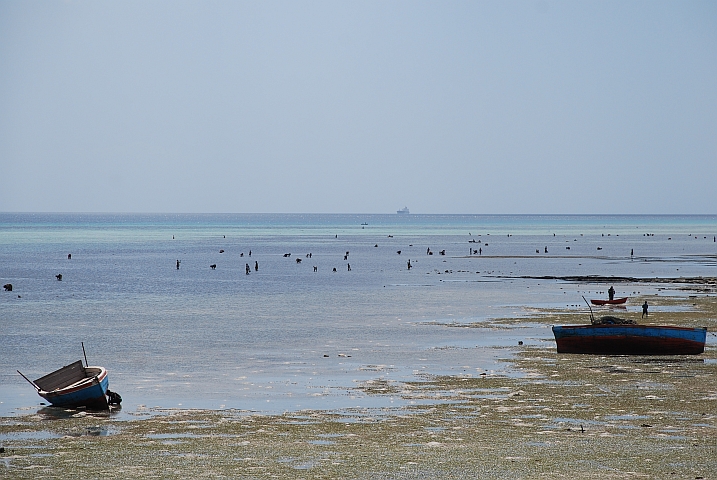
(198, 337)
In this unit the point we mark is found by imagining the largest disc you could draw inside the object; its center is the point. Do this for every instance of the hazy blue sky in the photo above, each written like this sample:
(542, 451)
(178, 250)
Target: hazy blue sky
(359, 107)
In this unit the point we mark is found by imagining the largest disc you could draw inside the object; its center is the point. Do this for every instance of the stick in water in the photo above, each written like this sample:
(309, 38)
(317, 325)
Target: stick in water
(31, 382)
(592, 319)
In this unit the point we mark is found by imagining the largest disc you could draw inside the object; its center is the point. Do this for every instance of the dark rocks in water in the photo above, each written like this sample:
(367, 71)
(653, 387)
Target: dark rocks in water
(610, 320)
(613, 280)
(7, 287)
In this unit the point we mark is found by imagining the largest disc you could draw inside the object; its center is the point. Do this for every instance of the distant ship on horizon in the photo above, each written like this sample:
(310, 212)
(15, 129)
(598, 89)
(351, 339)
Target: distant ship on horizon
(404, 210)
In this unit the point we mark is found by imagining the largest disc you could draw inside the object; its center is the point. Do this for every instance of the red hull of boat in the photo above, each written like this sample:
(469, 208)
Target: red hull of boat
(617, 301)
(630, 346)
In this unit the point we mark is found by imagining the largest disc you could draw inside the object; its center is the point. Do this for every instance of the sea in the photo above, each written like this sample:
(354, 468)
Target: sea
(301, 311)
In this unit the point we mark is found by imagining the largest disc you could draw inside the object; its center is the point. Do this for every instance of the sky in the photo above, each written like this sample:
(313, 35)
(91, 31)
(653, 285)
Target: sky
(475, 107)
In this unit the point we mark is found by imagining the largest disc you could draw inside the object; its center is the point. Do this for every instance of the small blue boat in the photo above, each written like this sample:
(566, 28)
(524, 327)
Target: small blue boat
(627, 339)
(74, 386)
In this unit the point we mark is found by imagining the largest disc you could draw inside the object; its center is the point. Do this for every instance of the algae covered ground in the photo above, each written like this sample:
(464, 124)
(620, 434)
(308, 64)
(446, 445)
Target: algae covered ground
(562, 416)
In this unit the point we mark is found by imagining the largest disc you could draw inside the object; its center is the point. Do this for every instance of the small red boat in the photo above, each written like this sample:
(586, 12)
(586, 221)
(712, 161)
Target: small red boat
(616, 301)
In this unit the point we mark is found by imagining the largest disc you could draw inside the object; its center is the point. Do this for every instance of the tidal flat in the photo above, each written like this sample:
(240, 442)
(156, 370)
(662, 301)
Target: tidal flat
(561, 416)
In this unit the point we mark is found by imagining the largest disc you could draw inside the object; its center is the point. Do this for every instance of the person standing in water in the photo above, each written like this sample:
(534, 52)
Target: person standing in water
(611, 293)
(177, 264)
(644, 309)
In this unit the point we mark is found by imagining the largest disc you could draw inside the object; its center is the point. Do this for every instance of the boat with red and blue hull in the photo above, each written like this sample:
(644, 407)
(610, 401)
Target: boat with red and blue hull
(607, 339)
(74, 386)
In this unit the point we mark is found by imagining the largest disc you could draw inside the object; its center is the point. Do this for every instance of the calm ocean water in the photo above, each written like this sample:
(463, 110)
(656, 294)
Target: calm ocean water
(197, 337)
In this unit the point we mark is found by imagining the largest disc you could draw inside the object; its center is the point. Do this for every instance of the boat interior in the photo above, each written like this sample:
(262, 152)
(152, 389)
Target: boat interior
(66, 376)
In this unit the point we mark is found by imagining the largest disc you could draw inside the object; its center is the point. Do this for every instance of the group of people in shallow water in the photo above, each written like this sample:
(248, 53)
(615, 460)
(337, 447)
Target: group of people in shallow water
(610, 292)
(247, 268)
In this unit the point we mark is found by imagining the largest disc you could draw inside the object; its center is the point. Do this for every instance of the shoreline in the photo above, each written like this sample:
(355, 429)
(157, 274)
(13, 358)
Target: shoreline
(577, 416)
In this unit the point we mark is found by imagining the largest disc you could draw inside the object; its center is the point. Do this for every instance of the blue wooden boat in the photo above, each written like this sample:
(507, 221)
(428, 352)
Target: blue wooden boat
(606, 339)
(74, 386)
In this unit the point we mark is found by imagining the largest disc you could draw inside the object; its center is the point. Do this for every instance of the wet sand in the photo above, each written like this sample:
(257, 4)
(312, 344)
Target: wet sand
(566, 416)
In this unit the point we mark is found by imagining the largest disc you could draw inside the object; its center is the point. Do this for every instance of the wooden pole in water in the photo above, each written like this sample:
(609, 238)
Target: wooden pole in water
(83, 353)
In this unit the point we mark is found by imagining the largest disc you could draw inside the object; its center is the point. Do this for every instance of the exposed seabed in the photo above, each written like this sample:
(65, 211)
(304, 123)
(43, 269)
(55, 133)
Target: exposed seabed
(563, 416)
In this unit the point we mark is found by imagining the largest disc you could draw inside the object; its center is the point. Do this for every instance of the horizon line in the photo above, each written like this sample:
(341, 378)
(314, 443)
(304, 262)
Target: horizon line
(350, 213)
